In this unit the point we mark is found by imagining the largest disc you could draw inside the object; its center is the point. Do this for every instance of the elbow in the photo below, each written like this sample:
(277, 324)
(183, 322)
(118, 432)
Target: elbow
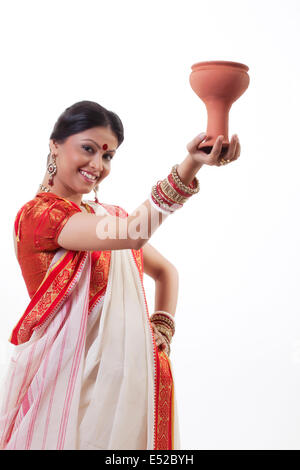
(139, 243)
(169, 271)
(174, 272)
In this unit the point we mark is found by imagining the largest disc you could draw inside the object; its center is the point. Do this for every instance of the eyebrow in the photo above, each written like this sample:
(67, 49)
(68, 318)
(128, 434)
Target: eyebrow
(100, 148)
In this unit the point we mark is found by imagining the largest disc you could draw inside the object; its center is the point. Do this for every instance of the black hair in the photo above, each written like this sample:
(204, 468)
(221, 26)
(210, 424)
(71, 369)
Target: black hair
(84, 115)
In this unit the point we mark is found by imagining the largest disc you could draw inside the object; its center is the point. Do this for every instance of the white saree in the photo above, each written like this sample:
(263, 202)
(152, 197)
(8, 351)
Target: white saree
(84, 380)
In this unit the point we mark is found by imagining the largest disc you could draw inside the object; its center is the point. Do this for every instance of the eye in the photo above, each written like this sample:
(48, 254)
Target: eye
(87, 147)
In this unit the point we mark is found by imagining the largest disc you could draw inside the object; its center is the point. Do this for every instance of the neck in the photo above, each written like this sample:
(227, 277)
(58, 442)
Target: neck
(61, 191)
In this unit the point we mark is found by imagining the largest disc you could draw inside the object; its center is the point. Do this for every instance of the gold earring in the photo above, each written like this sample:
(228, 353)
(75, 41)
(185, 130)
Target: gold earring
(52, 169)
(95, 191)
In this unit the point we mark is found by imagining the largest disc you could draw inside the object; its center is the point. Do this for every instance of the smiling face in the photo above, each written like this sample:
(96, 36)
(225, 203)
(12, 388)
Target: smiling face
(90, 151)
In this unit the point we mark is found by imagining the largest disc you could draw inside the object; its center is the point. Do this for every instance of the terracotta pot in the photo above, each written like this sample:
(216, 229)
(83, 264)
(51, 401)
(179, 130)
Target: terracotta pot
(218, 83)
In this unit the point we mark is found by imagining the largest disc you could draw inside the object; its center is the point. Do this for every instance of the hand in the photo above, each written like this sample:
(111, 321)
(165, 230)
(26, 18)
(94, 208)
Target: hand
(213, 158)
(160, 340)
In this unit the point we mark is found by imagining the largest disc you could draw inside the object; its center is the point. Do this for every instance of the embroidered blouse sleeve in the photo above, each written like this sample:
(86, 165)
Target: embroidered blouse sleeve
(51, 223)
(43, 223)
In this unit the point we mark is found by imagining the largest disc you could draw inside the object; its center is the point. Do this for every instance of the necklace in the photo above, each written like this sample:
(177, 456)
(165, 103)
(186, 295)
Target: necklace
(46, 189)
(84, 205)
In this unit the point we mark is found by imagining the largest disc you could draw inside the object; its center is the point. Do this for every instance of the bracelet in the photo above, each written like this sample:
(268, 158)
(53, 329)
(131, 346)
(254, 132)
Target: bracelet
(166, 342)
(194, 186)
(158, 319)
(172, 183)
(161, 201)
(171, 193)
(166, 332)
(167, 314)
(183, 186)
(156, 205)
(165, 197)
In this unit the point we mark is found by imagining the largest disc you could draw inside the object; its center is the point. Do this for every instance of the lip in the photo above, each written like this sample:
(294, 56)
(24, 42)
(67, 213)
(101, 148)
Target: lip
(86, 179)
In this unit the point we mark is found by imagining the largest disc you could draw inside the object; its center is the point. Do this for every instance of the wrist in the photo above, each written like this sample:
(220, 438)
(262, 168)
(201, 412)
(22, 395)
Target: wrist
(188, 169)
(194, 163)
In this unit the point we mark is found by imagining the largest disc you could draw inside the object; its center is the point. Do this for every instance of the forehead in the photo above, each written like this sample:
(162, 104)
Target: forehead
(101, 135)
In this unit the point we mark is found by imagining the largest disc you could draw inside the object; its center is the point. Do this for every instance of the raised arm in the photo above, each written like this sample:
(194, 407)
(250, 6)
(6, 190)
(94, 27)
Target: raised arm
(93, 232)
(107, 232)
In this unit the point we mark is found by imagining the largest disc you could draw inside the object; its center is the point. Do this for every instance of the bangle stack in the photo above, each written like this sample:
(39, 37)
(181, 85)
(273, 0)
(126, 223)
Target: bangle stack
(165, 324)
(171, 193)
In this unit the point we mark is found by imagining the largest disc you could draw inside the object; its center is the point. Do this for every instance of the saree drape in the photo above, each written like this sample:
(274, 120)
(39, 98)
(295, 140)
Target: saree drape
(83, 380)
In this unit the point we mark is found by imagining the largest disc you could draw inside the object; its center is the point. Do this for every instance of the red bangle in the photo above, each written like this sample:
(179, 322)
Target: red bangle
(158, 205)
(164, 196)
(172, 182)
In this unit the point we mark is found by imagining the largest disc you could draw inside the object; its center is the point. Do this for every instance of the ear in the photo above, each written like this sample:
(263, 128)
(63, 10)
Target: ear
(53, 146)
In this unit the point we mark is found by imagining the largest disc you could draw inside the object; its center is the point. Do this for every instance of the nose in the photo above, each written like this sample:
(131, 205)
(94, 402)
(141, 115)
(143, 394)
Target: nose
(97, 163)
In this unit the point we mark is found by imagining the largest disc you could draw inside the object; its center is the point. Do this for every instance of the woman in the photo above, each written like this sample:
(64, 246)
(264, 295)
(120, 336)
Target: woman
(90, 368)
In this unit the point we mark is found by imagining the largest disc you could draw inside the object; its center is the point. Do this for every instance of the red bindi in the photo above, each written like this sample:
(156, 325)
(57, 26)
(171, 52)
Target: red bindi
(105, 146)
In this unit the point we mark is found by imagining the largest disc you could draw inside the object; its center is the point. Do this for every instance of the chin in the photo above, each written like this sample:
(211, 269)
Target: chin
(86, 191)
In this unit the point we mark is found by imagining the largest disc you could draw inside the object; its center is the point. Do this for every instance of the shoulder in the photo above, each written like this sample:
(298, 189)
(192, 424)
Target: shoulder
(42, 204)
(112, 209)
(43, 201)
(119, 211)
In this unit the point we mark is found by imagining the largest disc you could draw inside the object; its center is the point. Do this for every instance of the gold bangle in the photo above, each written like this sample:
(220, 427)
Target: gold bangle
(183, 186)
(165, 337)
(171, 192)
(164, 327)
(164, 322)
(160, 201)
(168, 349)
(158, 318)
(167, 198)
(170, 208)
(165, 331)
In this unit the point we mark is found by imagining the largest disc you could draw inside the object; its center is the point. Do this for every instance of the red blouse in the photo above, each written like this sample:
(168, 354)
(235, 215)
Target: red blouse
(37, 226)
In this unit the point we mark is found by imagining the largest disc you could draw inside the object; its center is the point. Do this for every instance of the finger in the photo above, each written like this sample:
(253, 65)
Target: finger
(231, 151)
(232, 148)
(160, 341)
(237, 150)
(215, 152)
(192, 146)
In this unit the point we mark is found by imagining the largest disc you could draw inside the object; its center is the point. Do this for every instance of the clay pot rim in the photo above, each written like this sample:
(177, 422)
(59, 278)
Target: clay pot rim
(206, 65)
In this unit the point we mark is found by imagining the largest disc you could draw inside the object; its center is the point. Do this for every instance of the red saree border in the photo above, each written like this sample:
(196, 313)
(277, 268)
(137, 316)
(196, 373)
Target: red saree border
(96, 297)
(75, 267)
(164, 419)
(23, 330)
(156, 398)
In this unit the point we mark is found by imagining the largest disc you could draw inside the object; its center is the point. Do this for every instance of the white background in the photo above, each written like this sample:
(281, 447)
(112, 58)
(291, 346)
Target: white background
(236, 350)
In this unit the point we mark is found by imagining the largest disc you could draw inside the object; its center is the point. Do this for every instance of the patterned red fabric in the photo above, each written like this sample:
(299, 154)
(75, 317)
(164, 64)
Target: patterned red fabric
(37, 226)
